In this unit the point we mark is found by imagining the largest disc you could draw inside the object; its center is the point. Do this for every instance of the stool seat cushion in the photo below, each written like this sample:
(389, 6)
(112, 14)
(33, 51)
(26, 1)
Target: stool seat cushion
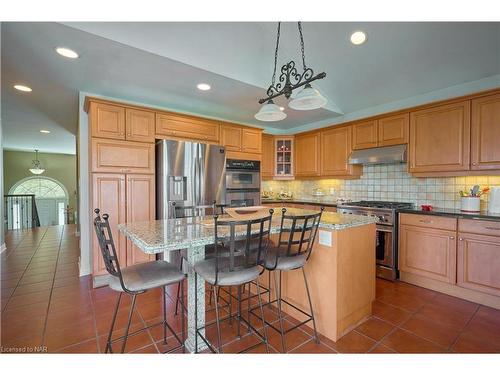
(285, 262)
(145, 276)
(206, 269)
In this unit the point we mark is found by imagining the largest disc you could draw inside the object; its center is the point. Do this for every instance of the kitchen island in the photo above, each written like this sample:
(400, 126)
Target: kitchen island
(341, 269)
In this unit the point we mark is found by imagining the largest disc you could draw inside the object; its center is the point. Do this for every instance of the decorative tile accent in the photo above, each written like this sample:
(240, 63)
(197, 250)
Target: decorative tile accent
(390, 182)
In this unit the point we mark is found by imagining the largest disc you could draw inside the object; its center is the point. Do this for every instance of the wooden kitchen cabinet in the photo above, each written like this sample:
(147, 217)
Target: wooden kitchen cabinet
(107, 121)
(267, 163)
(307, 154)
(140, 125)
(230, 137)
(241, 142)
(251, 141)
(393, 130)
(335, 151)
(428, 252)
(184, 126)
(365, 135)
(485, 133)
(440, 138)
(122, 156)
(108, 194)
(140, 201)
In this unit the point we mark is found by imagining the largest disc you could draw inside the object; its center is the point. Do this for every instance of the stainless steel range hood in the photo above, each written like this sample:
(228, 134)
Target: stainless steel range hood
(379, 155)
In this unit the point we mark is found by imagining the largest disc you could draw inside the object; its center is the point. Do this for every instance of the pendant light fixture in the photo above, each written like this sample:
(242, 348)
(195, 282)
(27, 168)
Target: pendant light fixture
(290, 79)
(37, 168)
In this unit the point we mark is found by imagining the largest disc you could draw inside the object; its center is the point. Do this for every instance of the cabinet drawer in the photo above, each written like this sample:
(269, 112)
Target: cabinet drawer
(187, 127)
(491, 228)
(122, 156)
(429, 221)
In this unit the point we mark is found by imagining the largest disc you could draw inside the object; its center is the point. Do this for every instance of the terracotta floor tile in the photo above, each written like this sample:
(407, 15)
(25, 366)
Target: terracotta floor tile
(406, 342)
(382, 349)
(57, 337)
(293, 338)
(310, 347)
(431, 330)
(403, 300)
(11, 275)
(354, 342)
(446, 315)
(29, 298)
(134, 342)
(469, 342)
(89, 346)
(30, 288)
(30, 278)
(375, 328)
(151, 349)
(389, 313)
(486, 323)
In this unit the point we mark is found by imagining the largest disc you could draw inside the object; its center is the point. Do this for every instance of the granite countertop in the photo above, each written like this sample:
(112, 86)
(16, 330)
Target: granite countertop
(483, 215)
(173, 234)
(330, 202)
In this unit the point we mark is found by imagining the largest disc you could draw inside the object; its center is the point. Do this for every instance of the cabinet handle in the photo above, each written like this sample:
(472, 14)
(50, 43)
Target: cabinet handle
(460, 239)
(474, 163)
(452, 238)
(426, 221)
(492, 228)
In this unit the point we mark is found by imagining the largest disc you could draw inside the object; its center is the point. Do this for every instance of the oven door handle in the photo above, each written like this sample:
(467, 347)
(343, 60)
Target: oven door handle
(384, 228)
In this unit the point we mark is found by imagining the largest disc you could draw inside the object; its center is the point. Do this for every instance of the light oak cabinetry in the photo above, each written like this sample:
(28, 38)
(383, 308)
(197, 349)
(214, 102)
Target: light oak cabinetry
(335, 150)
(440, 138)
(485, 133)
(307, 155)
(107, 121)
(393, 130)
(183, 126)
(267, 163)
(241, 142)
(365, 135)
(140, 125)
(461, 260)
(122, 156)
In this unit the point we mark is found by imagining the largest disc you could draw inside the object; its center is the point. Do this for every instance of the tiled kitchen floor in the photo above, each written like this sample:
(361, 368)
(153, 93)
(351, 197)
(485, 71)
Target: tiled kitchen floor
(45, 303)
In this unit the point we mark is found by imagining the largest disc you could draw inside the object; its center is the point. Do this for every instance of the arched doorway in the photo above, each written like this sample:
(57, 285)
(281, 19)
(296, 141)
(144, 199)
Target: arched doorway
(51, 198)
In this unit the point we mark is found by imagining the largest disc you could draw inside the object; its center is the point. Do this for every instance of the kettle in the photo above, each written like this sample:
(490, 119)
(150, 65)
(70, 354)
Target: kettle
(494, 200)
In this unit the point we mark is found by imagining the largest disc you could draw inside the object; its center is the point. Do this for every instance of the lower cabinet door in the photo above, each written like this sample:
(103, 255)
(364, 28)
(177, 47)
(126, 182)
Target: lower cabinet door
(478, 263)
(140, 207)
(109, 196)
(428, 252)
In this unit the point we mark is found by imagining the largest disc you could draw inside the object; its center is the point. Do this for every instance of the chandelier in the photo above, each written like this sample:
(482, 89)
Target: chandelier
(290, 79)
(37, 167)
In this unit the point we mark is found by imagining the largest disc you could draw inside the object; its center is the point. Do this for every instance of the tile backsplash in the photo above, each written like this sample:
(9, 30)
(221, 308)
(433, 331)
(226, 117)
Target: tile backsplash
(389, 182)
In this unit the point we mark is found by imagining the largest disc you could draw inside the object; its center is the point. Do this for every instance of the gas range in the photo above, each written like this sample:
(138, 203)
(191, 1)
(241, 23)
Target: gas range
(386, 245)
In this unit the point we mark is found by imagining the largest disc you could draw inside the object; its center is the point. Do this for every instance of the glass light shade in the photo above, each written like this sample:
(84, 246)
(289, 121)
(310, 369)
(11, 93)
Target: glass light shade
(307, 99)
(37, 170)
(270, 112)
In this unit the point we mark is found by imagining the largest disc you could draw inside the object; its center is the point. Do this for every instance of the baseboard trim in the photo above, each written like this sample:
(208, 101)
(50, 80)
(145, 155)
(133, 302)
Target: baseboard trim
(100, 280)
(3, 248)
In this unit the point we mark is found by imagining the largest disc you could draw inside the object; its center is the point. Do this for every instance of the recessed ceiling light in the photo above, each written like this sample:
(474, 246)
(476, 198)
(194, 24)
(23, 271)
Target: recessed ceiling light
(23, 88)
(66, 52)
(203, 86)
(45, 131)
(282, 108)
(358, 37)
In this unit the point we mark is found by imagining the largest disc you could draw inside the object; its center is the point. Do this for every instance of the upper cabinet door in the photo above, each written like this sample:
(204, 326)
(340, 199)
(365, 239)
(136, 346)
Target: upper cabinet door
(140, 207)
(230, 137)
(307, 154)
(190, 127)
(122, 156)
(393, 130)
(364, 135)
(107, 121)
(440, 138)
(140, 125)
(485, 133)
(267, 164)
(335, 151)
(251, 141)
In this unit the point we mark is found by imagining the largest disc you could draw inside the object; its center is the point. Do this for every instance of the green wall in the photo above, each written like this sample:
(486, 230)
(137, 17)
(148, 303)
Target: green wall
(61, 167)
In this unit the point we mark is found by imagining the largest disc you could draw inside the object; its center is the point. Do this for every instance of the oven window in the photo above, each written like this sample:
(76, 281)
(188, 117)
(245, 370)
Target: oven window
(242, 178)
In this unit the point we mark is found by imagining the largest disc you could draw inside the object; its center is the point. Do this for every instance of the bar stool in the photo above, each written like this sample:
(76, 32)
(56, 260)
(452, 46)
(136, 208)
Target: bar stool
(293, 250)
(135, 280)
(240, 251)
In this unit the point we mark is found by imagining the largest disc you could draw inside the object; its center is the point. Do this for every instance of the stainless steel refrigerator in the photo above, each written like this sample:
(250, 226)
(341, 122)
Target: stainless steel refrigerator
(188, 174)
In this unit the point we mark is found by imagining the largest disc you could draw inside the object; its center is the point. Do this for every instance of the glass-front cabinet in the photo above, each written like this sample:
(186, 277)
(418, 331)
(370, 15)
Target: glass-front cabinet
(283, 158)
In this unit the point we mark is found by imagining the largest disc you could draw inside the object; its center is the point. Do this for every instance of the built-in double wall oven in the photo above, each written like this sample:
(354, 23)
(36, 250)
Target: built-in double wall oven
(242, 182)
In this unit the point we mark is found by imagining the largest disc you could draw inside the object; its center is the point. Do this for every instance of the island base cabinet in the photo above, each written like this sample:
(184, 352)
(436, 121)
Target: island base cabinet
(428, 252)
(478, 263)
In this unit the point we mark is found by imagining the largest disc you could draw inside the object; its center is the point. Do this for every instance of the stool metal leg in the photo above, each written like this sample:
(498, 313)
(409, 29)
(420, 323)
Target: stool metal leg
(230, 305)
(219, 341)
(128, 323)
(239, 311)
(316, 337)
(261, 314)
(278, 299)
(183, 328)
(164, 315)
(248, 309)
(195, 314)
(108, 342)
(178, 291)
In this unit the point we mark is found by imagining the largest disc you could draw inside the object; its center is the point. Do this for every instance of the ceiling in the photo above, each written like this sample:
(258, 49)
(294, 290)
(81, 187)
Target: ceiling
(159, 64)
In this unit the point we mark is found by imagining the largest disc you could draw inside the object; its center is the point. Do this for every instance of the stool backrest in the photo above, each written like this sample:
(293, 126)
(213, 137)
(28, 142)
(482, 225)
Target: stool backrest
(297, 233)
(107, 246)
(241, 244)
(194, 211)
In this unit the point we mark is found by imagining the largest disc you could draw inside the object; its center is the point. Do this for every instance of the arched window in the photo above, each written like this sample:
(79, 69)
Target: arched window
(41, 187)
